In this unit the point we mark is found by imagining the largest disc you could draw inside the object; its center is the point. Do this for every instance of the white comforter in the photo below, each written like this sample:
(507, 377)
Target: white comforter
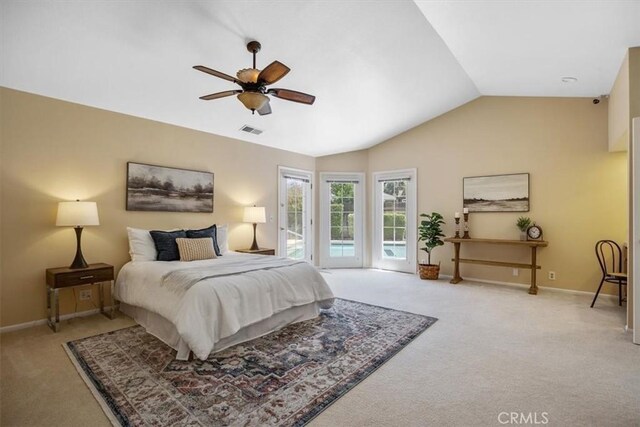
(213, 299)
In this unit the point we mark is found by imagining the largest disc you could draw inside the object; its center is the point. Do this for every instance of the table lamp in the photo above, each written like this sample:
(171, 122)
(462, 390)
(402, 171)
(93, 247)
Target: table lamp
(77, 214)
(255, 215)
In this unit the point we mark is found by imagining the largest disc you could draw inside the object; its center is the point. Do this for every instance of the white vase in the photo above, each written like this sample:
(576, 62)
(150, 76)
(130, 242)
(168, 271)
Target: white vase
(523, 235)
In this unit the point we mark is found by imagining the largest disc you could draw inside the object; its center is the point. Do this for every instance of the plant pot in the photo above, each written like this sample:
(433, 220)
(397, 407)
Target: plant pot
(523, 235)
(429, 271)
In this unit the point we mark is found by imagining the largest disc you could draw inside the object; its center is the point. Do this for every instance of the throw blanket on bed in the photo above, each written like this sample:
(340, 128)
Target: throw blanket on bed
(183, 279)
(213, 299)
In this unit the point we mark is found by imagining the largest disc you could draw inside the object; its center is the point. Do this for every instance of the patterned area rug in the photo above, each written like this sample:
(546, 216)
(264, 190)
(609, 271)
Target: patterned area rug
(285, 378)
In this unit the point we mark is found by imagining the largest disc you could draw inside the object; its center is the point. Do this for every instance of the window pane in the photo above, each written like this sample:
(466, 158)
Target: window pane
(387, 235)
(347, 204)
(336, 233)
(394, 195)
(342, 217)
(295, 226)
(336, 219)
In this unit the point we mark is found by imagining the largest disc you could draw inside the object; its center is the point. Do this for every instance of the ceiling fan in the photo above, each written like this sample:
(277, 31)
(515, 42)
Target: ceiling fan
(254, 84)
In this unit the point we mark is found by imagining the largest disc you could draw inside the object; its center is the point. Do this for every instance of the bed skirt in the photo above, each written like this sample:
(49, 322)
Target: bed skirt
(166, 331)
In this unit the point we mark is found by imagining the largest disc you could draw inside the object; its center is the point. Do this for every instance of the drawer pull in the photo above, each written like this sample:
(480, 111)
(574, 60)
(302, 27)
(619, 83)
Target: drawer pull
(86, 277)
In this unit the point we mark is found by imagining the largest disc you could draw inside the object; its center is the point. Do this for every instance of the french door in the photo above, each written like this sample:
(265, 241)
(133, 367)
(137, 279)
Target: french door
(395, 218)
(341, 219)
(295, 237)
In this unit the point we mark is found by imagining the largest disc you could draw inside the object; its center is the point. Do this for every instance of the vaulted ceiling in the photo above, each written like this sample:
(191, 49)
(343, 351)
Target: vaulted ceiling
(377, 68)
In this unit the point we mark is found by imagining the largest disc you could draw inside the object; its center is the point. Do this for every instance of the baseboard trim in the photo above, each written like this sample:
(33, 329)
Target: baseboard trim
(17, 327)
(525, 286)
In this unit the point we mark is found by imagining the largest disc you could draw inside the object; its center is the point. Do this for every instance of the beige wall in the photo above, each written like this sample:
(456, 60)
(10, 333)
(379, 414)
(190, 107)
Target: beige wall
(619, 109)
(624, 105)
(54, 150)
(634, 83)
(578, 189)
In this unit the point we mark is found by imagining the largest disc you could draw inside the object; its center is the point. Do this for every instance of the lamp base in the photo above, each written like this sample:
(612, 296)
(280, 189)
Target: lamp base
(254, 245)
(79, 261)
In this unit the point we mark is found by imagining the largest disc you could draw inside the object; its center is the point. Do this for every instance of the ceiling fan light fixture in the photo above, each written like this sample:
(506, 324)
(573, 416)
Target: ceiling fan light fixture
(248, 75)
(253, 100)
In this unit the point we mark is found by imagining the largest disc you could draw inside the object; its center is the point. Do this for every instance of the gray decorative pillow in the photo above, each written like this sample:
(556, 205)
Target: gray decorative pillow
(166, 245)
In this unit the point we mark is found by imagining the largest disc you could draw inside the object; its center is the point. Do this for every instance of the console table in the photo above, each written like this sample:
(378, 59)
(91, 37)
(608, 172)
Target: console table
(533, 244)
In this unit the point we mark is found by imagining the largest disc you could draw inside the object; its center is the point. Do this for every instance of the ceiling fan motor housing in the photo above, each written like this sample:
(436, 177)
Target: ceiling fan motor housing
(254, 46)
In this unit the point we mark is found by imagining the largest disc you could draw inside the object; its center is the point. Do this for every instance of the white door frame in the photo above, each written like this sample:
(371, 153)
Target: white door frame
(633, 290)
(282, 211)
(378, 261)
(326, 260)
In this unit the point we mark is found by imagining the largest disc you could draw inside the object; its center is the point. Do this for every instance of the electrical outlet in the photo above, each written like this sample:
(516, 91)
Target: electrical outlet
(85, 294)
(552, 275)
(515, 272)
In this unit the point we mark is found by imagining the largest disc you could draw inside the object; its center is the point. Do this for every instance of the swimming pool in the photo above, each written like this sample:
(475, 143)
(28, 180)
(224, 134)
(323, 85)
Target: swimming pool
(346, 249)
(391, 250)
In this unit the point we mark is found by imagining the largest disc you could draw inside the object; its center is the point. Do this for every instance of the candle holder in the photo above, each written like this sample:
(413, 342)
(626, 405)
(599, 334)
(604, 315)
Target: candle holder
(466, 227)
(457, 236)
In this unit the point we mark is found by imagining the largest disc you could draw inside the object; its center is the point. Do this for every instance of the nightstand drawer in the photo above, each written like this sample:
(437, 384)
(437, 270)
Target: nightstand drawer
(80, 277)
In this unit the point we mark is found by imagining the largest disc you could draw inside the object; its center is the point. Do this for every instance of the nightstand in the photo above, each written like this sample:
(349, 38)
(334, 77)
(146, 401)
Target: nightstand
(64, 277)
(262, 251)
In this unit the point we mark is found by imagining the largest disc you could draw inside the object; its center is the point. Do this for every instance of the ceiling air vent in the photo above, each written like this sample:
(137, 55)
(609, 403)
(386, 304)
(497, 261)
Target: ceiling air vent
(249, 129)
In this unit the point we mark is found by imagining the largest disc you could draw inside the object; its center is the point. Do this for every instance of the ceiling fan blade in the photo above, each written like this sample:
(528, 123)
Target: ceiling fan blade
(274, 72)
(215, 73)
(266, 109)
(292, 95)
(220, 95)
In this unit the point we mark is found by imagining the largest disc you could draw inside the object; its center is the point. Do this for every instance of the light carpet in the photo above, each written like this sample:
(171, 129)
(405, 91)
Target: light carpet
(494, 349)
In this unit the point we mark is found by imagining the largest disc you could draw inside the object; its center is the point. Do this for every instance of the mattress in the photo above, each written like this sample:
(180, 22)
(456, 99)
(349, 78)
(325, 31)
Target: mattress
(166, 331)
(205, 306)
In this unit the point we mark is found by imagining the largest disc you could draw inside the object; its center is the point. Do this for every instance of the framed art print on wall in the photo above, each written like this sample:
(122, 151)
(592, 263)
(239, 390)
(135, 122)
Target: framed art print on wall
(496, 193)
(167, 189)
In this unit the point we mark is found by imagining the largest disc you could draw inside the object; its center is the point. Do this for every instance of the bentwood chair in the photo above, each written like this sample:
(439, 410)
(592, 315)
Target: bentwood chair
(610, 259)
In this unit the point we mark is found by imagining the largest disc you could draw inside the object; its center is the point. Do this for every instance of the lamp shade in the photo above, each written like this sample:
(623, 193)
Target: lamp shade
(248, 75)
(77, 214)
(253, 100)
(255, 214)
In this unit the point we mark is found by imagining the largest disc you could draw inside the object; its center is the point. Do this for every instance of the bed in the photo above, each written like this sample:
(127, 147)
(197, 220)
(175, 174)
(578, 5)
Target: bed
(206, 306)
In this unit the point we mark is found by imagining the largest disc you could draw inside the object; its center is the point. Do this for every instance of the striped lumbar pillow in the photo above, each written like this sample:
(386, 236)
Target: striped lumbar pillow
(195, 249)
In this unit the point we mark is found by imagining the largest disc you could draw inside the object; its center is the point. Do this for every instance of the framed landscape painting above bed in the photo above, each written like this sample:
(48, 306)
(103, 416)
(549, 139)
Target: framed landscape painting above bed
(160, 188)
(496, 193)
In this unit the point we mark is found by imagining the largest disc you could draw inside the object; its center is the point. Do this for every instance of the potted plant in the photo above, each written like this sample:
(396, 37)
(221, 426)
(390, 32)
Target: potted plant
(430, 232)
(523, 223)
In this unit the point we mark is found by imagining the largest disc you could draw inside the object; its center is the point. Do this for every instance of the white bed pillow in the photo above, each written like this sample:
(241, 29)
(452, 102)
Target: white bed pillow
(141, 245)
(222, 238)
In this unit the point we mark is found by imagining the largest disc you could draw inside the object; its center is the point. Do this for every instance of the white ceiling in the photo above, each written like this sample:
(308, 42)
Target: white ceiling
(524, 47)
(376, 67)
